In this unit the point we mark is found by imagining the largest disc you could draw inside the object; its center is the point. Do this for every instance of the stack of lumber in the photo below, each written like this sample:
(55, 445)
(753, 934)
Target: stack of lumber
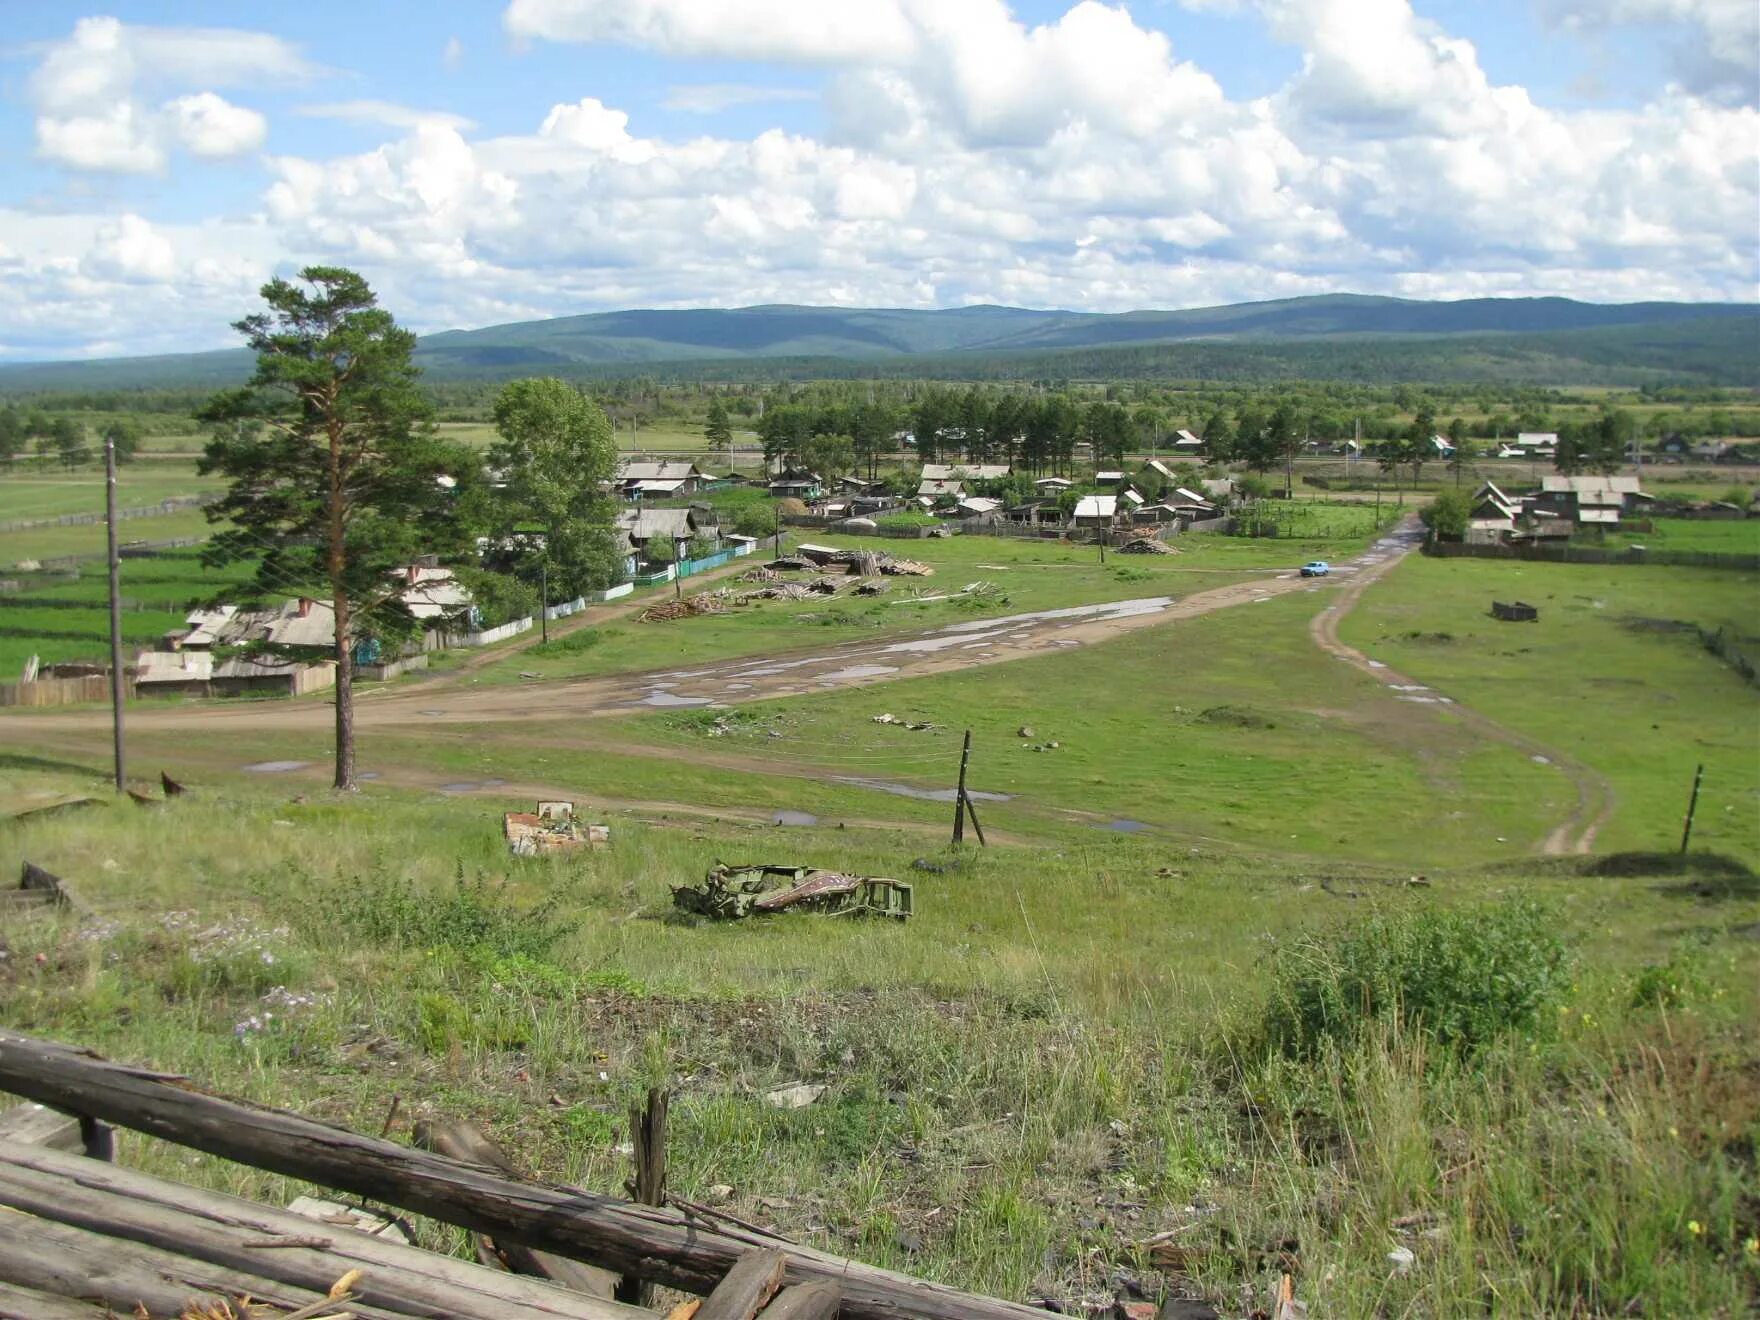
(707, 602)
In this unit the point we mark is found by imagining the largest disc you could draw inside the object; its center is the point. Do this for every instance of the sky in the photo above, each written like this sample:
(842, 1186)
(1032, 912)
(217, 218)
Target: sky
(491, 162)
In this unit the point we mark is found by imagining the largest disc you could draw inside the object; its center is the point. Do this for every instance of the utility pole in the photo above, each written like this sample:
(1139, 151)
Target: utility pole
(544, 601)
(116, 678)
(1686, 834)
(959, 796)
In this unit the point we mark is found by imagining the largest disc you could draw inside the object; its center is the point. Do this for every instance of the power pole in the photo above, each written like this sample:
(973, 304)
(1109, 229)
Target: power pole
(544, 601)
(115, 562)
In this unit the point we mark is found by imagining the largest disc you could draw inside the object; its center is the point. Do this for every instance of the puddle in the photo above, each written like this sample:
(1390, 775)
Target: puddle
(920, 794)
(1423, 701)
(794, 818)
(737, 687)
(430, 712)
(783, 666)
(855, 671)
(1125, 826)
(471, 785)
(1408, 687)
(671, 699)
(368, 774)
(1376, 664)
(925, 645)
(276, 767)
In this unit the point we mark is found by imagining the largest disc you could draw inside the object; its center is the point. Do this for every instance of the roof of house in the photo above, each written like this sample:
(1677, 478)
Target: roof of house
(657, 485)
(667, 524)
(1097, 506)
(209, 627)
(1590, 485)
(1537, 439)
(257, 666)
(1156, 465)
(434, 593)
(969, 471)
(1062, 483)
(980, 504)
(941, 486)
(1187, 439)
(1218, 488)
(1109, 476)
(1190, 496)
(1132, 497)
(801, 481)
(665, 469)
(174, 667)
(288, 626)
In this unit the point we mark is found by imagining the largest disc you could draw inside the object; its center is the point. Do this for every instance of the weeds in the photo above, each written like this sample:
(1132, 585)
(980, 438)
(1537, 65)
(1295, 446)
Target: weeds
(478, 916)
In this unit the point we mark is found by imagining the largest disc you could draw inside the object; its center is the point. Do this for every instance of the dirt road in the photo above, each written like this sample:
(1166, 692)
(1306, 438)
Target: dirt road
(1595, 799)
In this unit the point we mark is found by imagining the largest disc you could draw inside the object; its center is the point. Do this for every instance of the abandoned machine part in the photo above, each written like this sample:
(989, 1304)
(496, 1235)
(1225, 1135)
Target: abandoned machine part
(552, 828)
(731, 892)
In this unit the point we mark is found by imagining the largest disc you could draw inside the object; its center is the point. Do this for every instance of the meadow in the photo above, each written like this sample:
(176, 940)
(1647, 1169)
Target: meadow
(46, 494)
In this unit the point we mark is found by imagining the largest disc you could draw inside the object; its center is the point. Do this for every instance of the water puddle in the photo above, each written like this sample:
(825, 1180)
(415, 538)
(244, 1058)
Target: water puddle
(794, 818)
(672, 699)
(920, 794)
(275, 767)
(1125, 826)
(783, 666)
(855, 671)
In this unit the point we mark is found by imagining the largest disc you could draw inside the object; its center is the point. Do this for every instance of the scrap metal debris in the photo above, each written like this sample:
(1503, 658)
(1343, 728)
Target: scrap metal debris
(732, 892)
(552, 828)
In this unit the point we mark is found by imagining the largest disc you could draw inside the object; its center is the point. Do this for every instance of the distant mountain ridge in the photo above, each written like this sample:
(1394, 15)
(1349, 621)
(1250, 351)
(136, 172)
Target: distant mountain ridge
(608, 343)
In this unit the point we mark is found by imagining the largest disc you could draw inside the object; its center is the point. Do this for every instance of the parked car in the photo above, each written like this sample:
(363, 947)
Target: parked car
(1316, 568)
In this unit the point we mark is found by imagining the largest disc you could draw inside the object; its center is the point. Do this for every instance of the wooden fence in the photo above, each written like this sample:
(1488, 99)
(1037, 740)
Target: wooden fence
(59, 691)
(1579, 554)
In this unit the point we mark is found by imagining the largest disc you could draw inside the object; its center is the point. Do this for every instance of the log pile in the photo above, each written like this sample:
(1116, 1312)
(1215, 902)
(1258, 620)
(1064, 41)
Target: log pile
(87, 1232)
(669, 611)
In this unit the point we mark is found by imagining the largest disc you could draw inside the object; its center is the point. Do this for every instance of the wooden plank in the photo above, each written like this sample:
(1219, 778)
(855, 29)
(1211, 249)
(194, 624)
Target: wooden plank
(468, 1143)
(647, 1133)
(662, 1245)
(754, 1279)
(18, 1303)
(70, 1262)
(805, 1301)
(190, 1221)
(32, 1124)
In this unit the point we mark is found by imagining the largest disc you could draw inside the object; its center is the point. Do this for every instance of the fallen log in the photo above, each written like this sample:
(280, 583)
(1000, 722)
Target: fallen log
(657, 1244)
(28, 1304)
(211, 1226)
(747, 1289)
(70, 1262)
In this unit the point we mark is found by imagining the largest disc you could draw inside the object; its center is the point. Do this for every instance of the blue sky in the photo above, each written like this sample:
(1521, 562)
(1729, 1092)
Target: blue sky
(542, 157)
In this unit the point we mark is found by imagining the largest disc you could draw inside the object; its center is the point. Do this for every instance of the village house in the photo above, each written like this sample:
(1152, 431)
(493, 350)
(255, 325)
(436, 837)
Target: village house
(982, 507)
(1052, 486)
(1096, 511)
(1109, 478)
(936, 488)
(965, 471)
(1035, 513)
(1588, 500)
(796, 484)
(661, 479)
(1187, 445)
(1493, 516)
(647, 530)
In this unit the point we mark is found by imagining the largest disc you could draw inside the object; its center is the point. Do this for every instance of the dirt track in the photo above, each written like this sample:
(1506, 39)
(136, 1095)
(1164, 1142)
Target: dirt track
(1595, 798)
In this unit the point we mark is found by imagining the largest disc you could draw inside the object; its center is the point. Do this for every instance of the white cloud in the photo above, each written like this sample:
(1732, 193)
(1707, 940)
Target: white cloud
(131, 250)
(1715, 47)
(93, 92)
(207, 125)
(452, 54)
(807, 31)
(388, 114)
(713, 98)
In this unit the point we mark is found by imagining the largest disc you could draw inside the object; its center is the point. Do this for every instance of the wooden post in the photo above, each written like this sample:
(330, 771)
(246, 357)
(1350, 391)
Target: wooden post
(544, 602)
(1692, 807)
(647, 1134)
(667, 1246)
(959, 796)
(972, 811)
(115, 563)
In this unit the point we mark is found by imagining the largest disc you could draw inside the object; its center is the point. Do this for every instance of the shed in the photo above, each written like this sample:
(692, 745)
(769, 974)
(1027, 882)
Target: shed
(183, 673)
(1096, 510)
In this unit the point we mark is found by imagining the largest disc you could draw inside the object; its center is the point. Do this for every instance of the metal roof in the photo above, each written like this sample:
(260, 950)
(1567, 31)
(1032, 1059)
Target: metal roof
(1097, 506)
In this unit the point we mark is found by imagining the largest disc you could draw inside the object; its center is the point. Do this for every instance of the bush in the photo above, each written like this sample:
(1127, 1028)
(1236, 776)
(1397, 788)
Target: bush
(757, 520)
(477, 918)
(1460, 979)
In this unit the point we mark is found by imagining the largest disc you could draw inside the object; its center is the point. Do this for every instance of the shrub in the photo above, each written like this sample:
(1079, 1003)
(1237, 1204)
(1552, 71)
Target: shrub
(476, 918)
(757, 520)
(1460, 979)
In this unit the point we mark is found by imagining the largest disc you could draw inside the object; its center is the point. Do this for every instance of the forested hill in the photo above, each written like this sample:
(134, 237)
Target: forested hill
(1544, 340)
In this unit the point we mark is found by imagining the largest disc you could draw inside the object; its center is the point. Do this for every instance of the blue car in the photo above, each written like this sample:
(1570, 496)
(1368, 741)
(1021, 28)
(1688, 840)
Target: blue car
(1316, 568)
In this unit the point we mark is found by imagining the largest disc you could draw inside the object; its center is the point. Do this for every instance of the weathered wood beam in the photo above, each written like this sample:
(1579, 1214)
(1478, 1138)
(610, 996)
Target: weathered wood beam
(219, 1229)
(31, 1124)
(28, 1304)
(652, 1243)
(747, 1289)
(70, 1262)
(804, 1301)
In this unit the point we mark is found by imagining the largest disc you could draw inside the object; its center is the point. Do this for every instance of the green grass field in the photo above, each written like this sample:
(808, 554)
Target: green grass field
(50, 494)
(1702, 535)
(41, 543)
(1613, 674)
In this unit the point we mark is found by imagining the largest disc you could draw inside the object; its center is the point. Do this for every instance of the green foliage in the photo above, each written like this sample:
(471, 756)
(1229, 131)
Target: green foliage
(555, 452)
(1448, 515)
(474, 918)
(757, 520)
(1680, 979)
(581, 639)
(1459, 979)
(717, 431)
(497, 598)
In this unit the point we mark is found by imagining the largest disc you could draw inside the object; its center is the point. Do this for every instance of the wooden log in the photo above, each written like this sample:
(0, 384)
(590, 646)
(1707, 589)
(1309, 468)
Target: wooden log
(805, 1301)
(28, 1304)
(469, 1144)
(70, 1262)
(657, 1244)
(754, 1279)
(191, 1221)
(37, 1125)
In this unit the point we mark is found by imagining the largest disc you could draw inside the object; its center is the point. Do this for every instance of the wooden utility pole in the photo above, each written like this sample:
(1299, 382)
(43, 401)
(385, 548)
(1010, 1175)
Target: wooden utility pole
(544, 602)
(116, 675)
(1692, 807)
(959, 796)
